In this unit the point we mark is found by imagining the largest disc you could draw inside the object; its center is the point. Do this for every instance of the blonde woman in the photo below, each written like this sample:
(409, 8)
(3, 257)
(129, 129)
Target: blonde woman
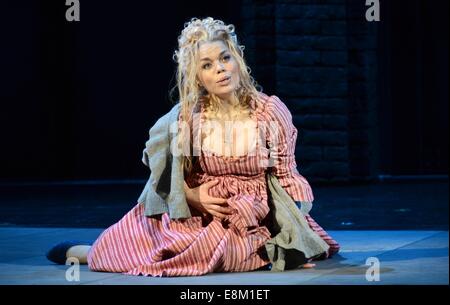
(231, 136)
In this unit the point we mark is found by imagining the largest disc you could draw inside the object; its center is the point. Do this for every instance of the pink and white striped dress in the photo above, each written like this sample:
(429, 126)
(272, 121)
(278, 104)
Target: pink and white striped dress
(160, 246)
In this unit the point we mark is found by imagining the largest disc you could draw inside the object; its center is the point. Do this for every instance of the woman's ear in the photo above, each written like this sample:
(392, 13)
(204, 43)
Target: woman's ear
(199, 83)
(201, 87)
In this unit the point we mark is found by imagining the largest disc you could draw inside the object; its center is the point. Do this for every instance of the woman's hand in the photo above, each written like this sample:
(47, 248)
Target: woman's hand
(199, 199)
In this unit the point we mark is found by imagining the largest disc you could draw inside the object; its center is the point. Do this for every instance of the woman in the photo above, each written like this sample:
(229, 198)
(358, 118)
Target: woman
(235, 135)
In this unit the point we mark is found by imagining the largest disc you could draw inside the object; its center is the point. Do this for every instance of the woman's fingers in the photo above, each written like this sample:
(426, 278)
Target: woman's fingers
(221, 200)
(218, 215)
(216, 200)
(215, 206)
(210, 184)
(209, 199)
(220, 209)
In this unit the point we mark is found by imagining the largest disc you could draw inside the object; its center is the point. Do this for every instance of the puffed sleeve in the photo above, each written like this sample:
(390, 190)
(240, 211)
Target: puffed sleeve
(281, 140)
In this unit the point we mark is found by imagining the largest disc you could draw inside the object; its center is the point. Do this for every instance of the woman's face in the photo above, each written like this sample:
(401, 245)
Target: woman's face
(218, 70)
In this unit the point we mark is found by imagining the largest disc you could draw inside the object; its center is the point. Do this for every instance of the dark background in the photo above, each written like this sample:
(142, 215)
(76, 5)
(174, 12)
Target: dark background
(414, 84)
(370, 101)
(78, 98)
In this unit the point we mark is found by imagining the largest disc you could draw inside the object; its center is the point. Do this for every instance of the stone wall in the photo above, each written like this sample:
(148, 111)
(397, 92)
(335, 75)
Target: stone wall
(319, 57)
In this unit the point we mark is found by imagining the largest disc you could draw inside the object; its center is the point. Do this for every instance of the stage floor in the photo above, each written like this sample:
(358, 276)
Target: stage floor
(405, 257)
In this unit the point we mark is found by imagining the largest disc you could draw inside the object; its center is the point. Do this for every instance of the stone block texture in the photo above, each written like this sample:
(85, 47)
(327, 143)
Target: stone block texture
(319, 57)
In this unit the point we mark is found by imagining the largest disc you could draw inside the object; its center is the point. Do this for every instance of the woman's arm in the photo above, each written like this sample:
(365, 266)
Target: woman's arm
(282, 139)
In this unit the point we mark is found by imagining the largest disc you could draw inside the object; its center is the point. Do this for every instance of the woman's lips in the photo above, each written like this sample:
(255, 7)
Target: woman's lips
(224, 81)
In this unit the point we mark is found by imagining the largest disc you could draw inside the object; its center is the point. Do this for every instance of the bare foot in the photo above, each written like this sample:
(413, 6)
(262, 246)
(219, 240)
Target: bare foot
(80, 252)
(307, 266)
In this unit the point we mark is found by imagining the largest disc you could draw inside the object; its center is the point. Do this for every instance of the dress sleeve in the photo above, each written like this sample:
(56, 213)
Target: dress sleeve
(281, 141)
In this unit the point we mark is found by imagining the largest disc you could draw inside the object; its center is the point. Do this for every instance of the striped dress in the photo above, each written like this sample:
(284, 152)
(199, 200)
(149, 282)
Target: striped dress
(160, 246)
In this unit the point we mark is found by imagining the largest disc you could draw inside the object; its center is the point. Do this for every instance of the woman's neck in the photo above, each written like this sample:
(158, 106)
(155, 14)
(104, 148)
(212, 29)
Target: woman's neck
(228, 109)
(227, 105)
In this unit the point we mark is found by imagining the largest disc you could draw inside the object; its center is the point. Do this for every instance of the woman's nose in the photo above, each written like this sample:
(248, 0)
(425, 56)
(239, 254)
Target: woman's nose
(220, 67)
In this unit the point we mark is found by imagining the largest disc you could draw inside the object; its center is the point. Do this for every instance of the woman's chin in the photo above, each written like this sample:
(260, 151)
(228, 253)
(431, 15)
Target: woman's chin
(225, 94)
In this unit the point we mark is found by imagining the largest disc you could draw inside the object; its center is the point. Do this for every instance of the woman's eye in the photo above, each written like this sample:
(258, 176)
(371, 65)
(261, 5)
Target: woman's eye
(206, 66)
(226, 58)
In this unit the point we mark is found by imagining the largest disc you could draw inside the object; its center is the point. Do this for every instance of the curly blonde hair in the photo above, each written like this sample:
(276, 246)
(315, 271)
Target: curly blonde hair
(190, 92)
